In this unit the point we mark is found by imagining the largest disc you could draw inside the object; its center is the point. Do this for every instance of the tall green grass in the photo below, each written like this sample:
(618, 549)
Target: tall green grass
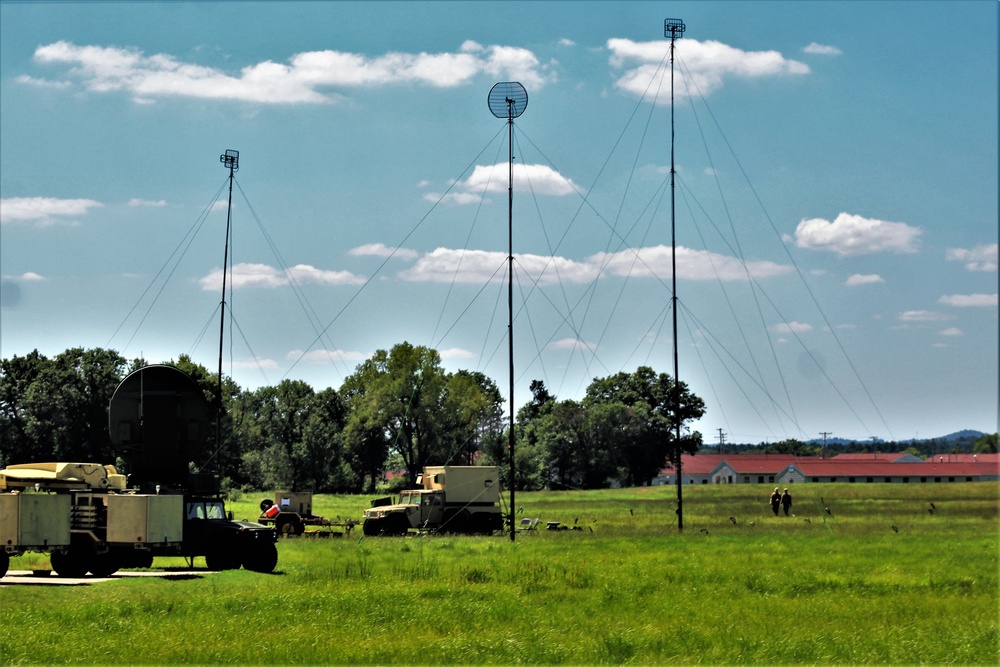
(860, 574)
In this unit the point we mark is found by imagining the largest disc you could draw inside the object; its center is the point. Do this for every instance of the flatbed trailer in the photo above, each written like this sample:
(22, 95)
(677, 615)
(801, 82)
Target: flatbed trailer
(291, 514)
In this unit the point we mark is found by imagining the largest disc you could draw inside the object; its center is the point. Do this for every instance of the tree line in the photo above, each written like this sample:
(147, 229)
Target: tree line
(399, 411)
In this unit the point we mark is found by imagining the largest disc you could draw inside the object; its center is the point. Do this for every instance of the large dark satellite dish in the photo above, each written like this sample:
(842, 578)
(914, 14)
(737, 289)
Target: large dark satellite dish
(158, 423)
(508, 99)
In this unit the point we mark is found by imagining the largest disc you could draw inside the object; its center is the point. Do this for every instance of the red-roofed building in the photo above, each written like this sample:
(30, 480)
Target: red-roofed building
(786, 469)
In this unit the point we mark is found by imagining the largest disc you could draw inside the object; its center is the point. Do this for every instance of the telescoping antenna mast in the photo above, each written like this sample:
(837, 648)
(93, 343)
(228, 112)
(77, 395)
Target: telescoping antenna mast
(231, 160)
(509, 100)
(674, 28)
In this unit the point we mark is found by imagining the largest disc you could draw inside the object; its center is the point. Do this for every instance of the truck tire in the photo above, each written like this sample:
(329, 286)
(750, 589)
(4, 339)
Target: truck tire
(396, 525)
(289, 524)
(261, 558)
(4, 563)
(104, 565)
(372, 527)
(73, 563)
(459, 523)
(482, 523)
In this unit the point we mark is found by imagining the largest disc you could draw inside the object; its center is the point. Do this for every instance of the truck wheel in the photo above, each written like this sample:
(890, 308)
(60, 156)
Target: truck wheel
(72, 563)
(372, 527)
(396, 525)
(4, 563)
(289, 525)
(482, 523)
(262, 558)
(104, 565)
(459, 523)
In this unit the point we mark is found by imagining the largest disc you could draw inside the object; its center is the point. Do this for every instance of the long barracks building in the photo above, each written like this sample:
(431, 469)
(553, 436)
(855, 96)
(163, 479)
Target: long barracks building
(882, 468)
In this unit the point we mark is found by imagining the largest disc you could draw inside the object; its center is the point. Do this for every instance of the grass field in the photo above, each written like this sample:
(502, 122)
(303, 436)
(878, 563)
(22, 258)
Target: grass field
(862, 573)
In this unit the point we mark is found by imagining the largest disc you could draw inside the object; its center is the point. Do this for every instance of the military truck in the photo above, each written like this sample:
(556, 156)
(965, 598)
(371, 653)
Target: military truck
(89, 518)
(82, 515)
(450, 499)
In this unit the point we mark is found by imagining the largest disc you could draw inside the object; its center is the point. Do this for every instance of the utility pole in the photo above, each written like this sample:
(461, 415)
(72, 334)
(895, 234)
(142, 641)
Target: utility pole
(722, 441)
(824, 434)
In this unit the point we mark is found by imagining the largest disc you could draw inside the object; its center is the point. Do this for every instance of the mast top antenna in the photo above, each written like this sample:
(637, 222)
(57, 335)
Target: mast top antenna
(673, 28)
(231, 159)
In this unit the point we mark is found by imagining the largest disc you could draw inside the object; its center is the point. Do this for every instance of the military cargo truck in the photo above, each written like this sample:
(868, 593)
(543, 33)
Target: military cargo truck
(450, 499)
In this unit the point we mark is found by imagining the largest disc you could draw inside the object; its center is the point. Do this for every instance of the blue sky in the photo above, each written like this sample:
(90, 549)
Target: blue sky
(836, 196)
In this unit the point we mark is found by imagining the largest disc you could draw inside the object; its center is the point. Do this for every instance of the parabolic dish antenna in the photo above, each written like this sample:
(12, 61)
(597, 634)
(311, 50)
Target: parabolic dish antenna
(508, 99)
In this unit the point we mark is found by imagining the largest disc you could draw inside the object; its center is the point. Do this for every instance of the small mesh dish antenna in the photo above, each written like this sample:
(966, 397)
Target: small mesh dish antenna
(508, 99)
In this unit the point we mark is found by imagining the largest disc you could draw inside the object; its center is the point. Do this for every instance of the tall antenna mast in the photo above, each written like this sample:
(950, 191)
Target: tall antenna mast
(231, 160)
(674, 28)
(509, 100)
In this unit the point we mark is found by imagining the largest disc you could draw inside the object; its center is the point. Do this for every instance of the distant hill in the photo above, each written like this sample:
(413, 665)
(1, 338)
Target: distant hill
(962, 435)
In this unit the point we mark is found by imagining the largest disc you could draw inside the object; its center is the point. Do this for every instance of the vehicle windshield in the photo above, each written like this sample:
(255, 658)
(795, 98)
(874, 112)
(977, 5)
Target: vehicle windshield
(206, 510)
(409, 498)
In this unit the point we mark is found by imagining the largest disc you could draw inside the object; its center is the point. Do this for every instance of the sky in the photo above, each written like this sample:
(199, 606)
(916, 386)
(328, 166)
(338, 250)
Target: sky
(834, 218)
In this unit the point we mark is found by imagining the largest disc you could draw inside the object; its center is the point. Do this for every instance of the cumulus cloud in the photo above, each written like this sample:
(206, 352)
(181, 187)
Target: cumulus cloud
(30, 277)
(979, 258)
(970, 300)
(135, 202)
(478, 266)
(850, 235)
(267, 364)
(709, 64)
(539, 178)
(307, 78)
(323, 357)
(381, 250)
(950, 331)
(791, 327)
(571, 344)
(456, 353)
(861, 279)
(262, 275)
(923, 316)
(822, 50)
(43, 211)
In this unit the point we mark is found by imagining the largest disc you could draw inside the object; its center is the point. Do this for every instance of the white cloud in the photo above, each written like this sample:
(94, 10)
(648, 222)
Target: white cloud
(478, 266)
(923, 316)
(145, 202)
(323, 357)
(973, 300)
(456, 353)
(454, 197)
(42, 83)
(31, 277)
(305, 79)
(539, 178)
(267, 364)
(950, 331)
(850, 235)
(262, 275)
(381, 250)
(571, 344)
(822, 50)
(43, 211)
(565, 41)
(980, 258)
(861, 279)
(709, 64)
(791, 327)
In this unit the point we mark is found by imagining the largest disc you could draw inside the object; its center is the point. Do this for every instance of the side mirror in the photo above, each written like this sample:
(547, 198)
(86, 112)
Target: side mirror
(229, 515)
